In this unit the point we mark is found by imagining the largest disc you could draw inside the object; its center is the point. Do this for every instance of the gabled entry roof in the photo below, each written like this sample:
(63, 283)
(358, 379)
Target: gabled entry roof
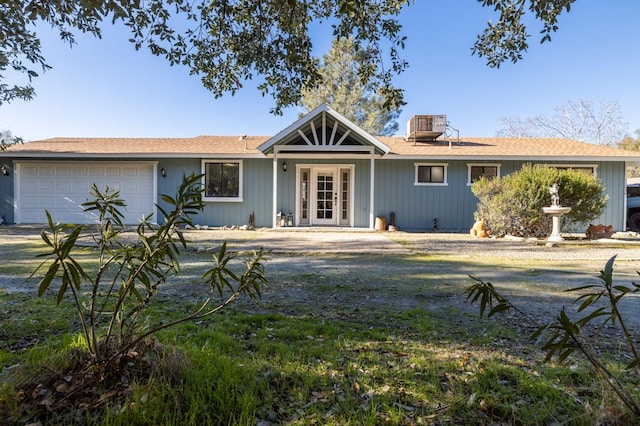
(323, 129)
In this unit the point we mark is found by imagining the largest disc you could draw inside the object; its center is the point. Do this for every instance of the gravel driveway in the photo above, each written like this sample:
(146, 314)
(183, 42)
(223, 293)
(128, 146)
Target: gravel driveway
(450, 244)
(365, 241)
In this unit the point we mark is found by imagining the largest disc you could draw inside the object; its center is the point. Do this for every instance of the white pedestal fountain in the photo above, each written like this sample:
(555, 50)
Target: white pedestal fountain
(556, 211)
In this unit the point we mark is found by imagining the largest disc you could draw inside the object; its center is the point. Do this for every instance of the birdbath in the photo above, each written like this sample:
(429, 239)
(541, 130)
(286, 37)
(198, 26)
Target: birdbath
(556, 211)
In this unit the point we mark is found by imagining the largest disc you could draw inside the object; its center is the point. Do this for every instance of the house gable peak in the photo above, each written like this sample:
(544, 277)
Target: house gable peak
(323, 129)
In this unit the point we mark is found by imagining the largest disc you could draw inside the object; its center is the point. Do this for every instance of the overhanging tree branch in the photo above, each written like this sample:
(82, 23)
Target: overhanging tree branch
(225, 42)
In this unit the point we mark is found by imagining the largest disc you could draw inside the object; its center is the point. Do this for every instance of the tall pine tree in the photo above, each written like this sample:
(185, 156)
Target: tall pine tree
(342, 89)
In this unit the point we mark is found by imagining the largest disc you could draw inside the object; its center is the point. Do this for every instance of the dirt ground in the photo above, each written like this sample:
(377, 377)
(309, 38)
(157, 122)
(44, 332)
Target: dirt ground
(363, 272)
(358, 273)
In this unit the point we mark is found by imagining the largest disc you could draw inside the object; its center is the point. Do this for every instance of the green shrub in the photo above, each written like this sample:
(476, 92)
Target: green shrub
(115, 296)
(513, 204)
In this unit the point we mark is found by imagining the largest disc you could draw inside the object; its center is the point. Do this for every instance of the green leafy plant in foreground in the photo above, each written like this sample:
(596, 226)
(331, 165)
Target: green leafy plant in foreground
(562, 336)
(110, 301)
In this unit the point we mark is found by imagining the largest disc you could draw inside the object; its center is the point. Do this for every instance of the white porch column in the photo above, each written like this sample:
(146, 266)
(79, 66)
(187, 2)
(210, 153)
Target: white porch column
(275, 187)
(372, 187)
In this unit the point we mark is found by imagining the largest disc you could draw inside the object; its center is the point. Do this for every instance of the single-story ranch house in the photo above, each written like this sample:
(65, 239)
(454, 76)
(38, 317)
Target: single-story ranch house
(322, 170)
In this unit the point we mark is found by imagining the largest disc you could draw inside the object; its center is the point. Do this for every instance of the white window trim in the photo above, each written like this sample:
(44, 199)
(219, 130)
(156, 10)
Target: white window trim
(576, 166)
(469, 165)
(415, 178)
(203, 170)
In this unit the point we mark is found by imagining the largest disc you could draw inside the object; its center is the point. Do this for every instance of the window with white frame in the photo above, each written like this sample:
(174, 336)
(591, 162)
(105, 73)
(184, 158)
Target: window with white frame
(430, 174)
(222, 180)
(590, 169)
(478, 170)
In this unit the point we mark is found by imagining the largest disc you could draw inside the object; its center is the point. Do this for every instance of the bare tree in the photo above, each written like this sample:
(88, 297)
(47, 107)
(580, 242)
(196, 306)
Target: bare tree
(600, 123)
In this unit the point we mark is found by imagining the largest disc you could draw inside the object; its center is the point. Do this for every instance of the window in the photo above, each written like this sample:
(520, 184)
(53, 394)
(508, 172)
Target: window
(222, 180)
(589, 169)
(431, 174)
(633, 190)
(476, 171)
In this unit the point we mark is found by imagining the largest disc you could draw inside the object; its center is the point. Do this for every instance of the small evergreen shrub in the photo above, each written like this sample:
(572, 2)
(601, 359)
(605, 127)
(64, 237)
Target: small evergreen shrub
(513, 204)
(114, 298)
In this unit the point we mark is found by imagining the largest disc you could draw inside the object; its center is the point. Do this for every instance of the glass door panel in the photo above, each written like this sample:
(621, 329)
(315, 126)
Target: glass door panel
(325, 198)
(304, 196)
(345, 199)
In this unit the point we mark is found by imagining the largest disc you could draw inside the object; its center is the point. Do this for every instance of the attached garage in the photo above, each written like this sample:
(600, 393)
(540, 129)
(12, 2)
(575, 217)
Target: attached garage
(62, 187)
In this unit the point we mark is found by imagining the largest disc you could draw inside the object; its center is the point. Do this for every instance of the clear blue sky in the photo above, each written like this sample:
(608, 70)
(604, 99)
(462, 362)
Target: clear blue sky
(104, 88)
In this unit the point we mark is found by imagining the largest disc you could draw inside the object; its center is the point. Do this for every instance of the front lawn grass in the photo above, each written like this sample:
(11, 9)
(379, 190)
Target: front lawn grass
(339, 355)
(269, 368)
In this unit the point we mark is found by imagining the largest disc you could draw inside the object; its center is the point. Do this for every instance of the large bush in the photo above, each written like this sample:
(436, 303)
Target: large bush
(513, 204)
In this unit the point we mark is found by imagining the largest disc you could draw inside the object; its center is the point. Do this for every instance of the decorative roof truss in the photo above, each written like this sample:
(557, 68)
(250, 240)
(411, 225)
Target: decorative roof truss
(322, 140)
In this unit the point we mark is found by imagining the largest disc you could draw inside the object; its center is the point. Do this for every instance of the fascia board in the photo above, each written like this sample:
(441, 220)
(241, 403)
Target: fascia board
(325, 156)
(64, 155)
(506, 158)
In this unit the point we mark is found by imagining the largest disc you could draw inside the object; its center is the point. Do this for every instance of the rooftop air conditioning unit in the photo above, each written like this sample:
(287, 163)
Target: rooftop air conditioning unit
(426, 127)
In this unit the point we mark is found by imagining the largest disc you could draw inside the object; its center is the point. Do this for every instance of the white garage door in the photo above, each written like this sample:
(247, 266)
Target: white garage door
(62, 187)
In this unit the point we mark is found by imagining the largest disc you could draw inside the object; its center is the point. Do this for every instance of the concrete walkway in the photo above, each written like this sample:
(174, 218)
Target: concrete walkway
(329, 242)
(277, 241)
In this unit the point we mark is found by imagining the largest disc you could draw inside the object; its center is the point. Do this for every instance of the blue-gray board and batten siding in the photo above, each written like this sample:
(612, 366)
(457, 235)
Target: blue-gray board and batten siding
(452, 206)
(415, 207)
(257, 192)
(6, 194)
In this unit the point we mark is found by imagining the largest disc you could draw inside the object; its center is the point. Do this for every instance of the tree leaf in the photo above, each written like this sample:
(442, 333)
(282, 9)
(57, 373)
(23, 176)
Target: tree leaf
(49, 276)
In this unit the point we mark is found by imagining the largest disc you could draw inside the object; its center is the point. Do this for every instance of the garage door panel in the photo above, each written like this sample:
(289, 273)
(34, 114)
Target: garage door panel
(30, 200)
(63, 171)
(80, 171)
(45, 171)
(63, 187)
(113, 171)
(30, 216)
(47, 185)
(95, 171)
(80, 186)
(30, 170)
(129, 187)
(131, 172)
(29, 186)
(68, 203)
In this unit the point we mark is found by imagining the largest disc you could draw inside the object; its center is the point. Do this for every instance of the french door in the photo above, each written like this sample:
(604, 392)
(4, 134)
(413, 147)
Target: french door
(323, 211)
(325, 195)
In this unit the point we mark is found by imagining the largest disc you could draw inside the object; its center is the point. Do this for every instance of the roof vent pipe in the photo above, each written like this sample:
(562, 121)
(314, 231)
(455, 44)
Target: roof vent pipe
(243, 137)
(456, 130)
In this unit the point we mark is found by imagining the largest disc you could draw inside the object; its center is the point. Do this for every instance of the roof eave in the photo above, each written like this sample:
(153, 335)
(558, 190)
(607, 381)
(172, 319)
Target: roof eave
(53, 155)
(392, 156)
